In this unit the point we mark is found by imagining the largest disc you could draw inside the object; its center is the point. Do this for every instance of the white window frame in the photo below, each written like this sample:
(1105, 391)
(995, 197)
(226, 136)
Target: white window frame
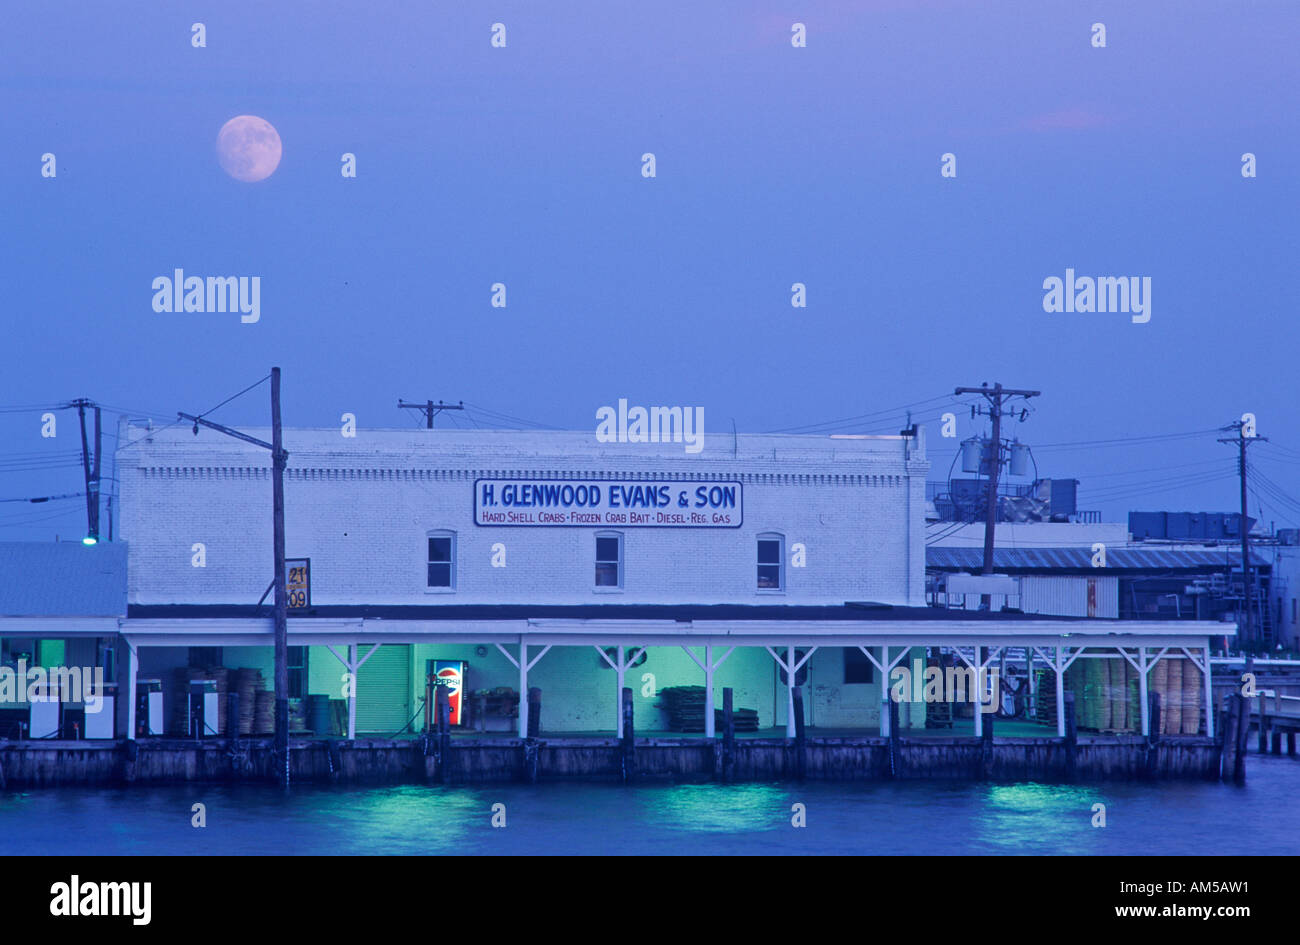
(780, 562)
(440, 533)
(622, 557)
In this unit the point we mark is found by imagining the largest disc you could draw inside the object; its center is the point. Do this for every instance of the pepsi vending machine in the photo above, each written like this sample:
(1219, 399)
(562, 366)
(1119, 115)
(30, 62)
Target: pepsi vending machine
(449, 673)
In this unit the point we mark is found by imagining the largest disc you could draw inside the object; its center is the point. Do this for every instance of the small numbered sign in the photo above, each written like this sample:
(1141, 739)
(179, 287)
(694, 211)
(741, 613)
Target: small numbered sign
(297, 582)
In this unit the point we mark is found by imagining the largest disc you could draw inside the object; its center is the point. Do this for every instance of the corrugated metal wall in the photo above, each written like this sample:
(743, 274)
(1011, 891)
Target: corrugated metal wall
(384, 690)
(1073, 596)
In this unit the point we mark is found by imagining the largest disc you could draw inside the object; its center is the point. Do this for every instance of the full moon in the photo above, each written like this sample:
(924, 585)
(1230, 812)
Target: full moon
(248, 148)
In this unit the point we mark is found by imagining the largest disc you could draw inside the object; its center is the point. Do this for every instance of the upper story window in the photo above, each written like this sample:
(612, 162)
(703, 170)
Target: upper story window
(442, 560)
(609, 560)
(771, 562)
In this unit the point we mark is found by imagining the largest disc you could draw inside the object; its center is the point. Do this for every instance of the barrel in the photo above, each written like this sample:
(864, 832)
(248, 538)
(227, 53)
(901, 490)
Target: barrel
(1117, 694)
(264, 712)
(1096, 681)
(1158, 681)
(1134, 697)
(1193, 698)
(246, 682)
(318, 715)
(1173, 700)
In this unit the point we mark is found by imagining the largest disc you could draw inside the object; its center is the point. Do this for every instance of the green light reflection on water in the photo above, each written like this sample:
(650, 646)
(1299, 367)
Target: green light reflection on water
(1038, 818)
(408, 819)
(716, 808)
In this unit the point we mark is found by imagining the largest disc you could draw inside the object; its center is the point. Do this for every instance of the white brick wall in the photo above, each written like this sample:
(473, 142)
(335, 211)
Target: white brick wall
(361, 509)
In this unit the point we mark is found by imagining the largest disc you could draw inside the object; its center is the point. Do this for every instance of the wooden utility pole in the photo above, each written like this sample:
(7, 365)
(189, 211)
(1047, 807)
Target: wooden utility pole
(279, 460)
(90, 468)
(429, 408)
(995, 396)
(1242, 440)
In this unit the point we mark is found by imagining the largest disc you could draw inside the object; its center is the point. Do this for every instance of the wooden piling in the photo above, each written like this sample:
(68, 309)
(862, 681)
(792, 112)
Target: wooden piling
(627, 748)
(986, 745)
(1071, 737)
(442, 712)
(800, 737)
(530, 752)
(534, 712)
(130, 753)
(1152, 761)
(1243, 739)
(1263, 725)
(1290, 743)
(336, 760)
(232, 713)
(728, 735)
(1231, 722)
(895, 758)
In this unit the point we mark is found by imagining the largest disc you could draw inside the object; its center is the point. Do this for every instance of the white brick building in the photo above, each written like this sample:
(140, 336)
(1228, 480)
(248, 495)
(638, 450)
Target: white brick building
(363, 509)
(495, 547)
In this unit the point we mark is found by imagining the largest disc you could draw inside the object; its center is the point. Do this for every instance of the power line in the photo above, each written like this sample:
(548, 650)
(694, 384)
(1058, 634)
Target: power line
(860, 417)
(1128, 441)
(498, 416)
(49, 498)
(234, 396)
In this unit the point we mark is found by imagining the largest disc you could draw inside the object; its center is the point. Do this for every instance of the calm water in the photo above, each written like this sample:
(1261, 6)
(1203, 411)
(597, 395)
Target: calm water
(1262, 818)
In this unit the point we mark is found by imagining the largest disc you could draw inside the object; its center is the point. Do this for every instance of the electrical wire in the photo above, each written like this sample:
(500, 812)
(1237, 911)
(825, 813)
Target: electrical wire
(859, 417)
(50, 498)
(233, 397)
(499, 417)
(1129, 441)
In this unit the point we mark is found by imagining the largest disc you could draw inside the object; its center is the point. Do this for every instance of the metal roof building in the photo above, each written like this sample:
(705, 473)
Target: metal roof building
(1057, 560)
(62, 579)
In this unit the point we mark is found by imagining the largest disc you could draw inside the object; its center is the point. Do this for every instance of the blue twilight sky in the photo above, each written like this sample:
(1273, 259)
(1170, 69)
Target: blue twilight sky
(775, 165)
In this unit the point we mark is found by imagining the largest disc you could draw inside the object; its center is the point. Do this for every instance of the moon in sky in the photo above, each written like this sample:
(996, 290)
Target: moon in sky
(248, 148)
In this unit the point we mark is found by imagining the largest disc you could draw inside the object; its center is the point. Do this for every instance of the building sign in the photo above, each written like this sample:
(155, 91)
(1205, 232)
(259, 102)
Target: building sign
(659, 503)
(297, 582)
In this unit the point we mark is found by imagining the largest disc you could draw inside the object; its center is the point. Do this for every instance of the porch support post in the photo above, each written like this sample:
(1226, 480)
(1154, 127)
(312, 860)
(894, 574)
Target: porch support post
(621, 664)
(1209, 694)
(618, 692)
(352, 692)
(884, 691)
(132, 671)
(1060, 692)
(708, 690)
(353, 665)
(789, 691)
(1142, 690)
(1029, 681)
(523, 688)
